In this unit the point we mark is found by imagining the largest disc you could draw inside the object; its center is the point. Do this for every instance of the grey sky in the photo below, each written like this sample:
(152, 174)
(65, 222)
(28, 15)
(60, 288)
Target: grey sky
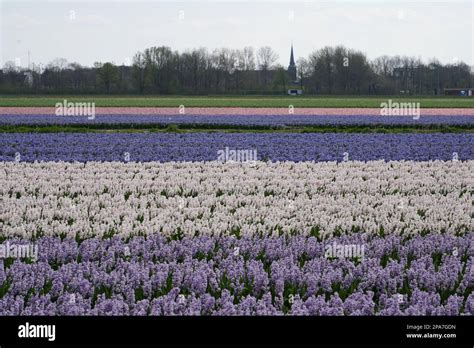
(105, 30)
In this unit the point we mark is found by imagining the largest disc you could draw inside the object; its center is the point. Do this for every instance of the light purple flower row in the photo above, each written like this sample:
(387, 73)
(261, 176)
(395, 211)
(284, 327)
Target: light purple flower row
(395, 275)
(266, 120)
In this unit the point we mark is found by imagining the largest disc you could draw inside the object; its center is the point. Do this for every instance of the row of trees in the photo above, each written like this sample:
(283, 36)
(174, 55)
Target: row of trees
(160, 70)
(163, 71)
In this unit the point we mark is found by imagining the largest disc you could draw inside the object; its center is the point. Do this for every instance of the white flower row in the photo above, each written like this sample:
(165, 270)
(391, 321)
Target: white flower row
(213, 198)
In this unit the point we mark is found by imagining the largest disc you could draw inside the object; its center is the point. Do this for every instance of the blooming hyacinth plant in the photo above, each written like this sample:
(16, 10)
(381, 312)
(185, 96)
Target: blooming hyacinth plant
(237, 120)
(213, 238)
(153, 275)
(199, 146)
(323, 199)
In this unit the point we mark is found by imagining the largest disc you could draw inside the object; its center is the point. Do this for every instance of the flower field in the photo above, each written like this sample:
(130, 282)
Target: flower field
(154, 223)
(246, 276)
(141, 239)
(203, 146)
(262, 120)
(242, 199)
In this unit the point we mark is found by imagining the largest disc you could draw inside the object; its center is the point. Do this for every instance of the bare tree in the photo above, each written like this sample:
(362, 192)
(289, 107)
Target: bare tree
(246, 59)
(266, 58)
(58, 64)
(382, 66)
(9, 67)
(304, 70)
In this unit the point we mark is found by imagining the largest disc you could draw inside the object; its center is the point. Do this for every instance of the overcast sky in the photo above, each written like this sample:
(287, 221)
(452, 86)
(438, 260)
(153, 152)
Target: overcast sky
(106, 30)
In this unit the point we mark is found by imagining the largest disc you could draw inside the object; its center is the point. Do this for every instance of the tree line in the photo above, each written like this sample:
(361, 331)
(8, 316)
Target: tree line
(162, 71)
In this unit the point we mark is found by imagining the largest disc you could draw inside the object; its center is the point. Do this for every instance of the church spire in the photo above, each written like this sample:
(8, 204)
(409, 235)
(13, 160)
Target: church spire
(292, 67)
(292, 59)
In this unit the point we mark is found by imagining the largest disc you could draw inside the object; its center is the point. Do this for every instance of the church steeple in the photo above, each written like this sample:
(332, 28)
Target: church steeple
(292, 67)
(292, 59)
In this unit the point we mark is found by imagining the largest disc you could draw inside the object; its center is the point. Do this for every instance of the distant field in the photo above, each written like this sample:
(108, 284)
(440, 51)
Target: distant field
(256, 101)
(196, 128)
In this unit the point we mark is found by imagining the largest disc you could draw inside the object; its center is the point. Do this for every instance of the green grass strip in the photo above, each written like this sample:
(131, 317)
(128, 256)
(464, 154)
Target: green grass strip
(236, 101)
